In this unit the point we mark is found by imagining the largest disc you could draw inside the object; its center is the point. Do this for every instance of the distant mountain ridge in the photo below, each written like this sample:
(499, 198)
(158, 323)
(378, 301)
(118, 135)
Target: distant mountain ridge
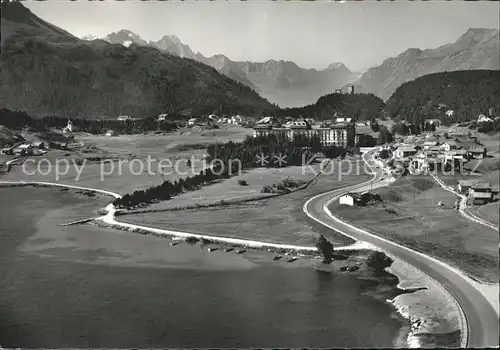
(281, 82)
(46, 71)
(478, 48)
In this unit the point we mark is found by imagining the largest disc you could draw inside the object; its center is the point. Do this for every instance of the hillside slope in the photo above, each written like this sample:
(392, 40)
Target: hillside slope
(46, 71)
(476, 49)
(357, 106)
(281, 82)
(468, 93)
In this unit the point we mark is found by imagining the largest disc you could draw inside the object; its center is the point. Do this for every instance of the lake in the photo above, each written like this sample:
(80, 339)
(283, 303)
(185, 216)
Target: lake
(86, 286)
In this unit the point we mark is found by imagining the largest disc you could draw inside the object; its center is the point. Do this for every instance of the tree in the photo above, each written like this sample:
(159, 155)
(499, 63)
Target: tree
(366, 141)
(384, 154)
(333, 152)
(384, 136)
(325, 248)
(375, 126)
(378, 261)
(400, 128)
(468, 93)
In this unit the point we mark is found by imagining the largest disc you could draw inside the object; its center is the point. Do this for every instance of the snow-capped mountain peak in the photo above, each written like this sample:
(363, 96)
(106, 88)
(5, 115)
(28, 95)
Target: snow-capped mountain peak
(336, 65)
(89, 37)
(125, 37)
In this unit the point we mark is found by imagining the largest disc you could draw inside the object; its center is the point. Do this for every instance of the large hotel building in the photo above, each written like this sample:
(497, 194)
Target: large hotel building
(335, 135)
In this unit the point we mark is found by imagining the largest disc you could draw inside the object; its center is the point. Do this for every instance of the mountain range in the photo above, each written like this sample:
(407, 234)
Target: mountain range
(281, 82)
(44, 70)
(288, 85)
(476, 49)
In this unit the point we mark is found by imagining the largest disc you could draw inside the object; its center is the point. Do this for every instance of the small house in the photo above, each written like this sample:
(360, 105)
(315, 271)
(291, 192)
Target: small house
(484, 119)
(477, 152)
(433, 151)
(464, 185)
(480, 198)
(123, 118)
(24, 150)
(450, 145)
(429, 144)
(481, 187)
(405, 151)
(456, 154)
(343, 120)
(480, 193)
(39, 145)
(349, 199)
(191, 121)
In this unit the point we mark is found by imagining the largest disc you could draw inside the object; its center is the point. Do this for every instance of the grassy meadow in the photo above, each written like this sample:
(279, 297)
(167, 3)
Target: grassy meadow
(411, 215)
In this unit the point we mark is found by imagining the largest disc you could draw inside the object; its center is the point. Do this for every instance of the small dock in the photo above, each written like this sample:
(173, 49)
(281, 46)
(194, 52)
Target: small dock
(77, 222)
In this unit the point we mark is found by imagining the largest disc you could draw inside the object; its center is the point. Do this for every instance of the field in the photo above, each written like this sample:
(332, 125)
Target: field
(166, 144)
(278, 219)
(231, 189)
(128, 175)
(410, 215)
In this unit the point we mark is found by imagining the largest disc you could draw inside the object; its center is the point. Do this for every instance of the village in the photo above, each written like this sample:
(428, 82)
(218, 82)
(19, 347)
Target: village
(454, 156)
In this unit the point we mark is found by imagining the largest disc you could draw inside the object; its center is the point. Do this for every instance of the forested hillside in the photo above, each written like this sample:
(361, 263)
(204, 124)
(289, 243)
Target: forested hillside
(45, 71)
(358, 106)
(467, 93)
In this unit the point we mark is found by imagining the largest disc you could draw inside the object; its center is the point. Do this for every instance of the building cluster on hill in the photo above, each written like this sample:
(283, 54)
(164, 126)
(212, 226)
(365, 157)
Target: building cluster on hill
(334, 132)
(429, 153)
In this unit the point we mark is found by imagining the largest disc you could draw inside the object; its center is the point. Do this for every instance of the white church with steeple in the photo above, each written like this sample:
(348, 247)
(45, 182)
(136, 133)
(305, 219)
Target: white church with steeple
(69, 127)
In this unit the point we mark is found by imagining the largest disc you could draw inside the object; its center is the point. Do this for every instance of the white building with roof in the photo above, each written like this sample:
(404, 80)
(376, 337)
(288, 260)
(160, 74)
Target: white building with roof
(343, 120)
(484, 119)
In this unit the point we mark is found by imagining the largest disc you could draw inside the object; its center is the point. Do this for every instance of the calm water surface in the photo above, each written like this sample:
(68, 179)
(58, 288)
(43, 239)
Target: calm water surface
(85, 286)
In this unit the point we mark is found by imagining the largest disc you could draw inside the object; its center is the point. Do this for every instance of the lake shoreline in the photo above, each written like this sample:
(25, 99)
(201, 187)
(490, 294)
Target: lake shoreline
(401, 302)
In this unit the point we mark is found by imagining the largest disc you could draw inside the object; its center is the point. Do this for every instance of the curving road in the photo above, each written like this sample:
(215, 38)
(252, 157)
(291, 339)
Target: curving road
(481, 319)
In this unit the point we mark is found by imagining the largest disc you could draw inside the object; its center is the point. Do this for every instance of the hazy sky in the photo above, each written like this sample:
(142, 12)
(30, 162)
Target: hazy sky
(312, 34)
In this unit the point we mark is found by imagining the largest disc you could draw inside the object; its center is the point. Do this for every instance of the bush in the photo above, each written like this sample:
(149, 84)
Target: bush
(242, 183)
(191, 239)
(267, 189)
(281, 188)
(378, 261)
(292, 183)
(384, 154)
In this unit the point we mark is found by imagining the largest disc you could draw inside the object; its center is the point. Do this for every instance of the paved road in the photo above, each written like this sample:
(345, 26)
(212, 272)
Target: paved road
(482, 320)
